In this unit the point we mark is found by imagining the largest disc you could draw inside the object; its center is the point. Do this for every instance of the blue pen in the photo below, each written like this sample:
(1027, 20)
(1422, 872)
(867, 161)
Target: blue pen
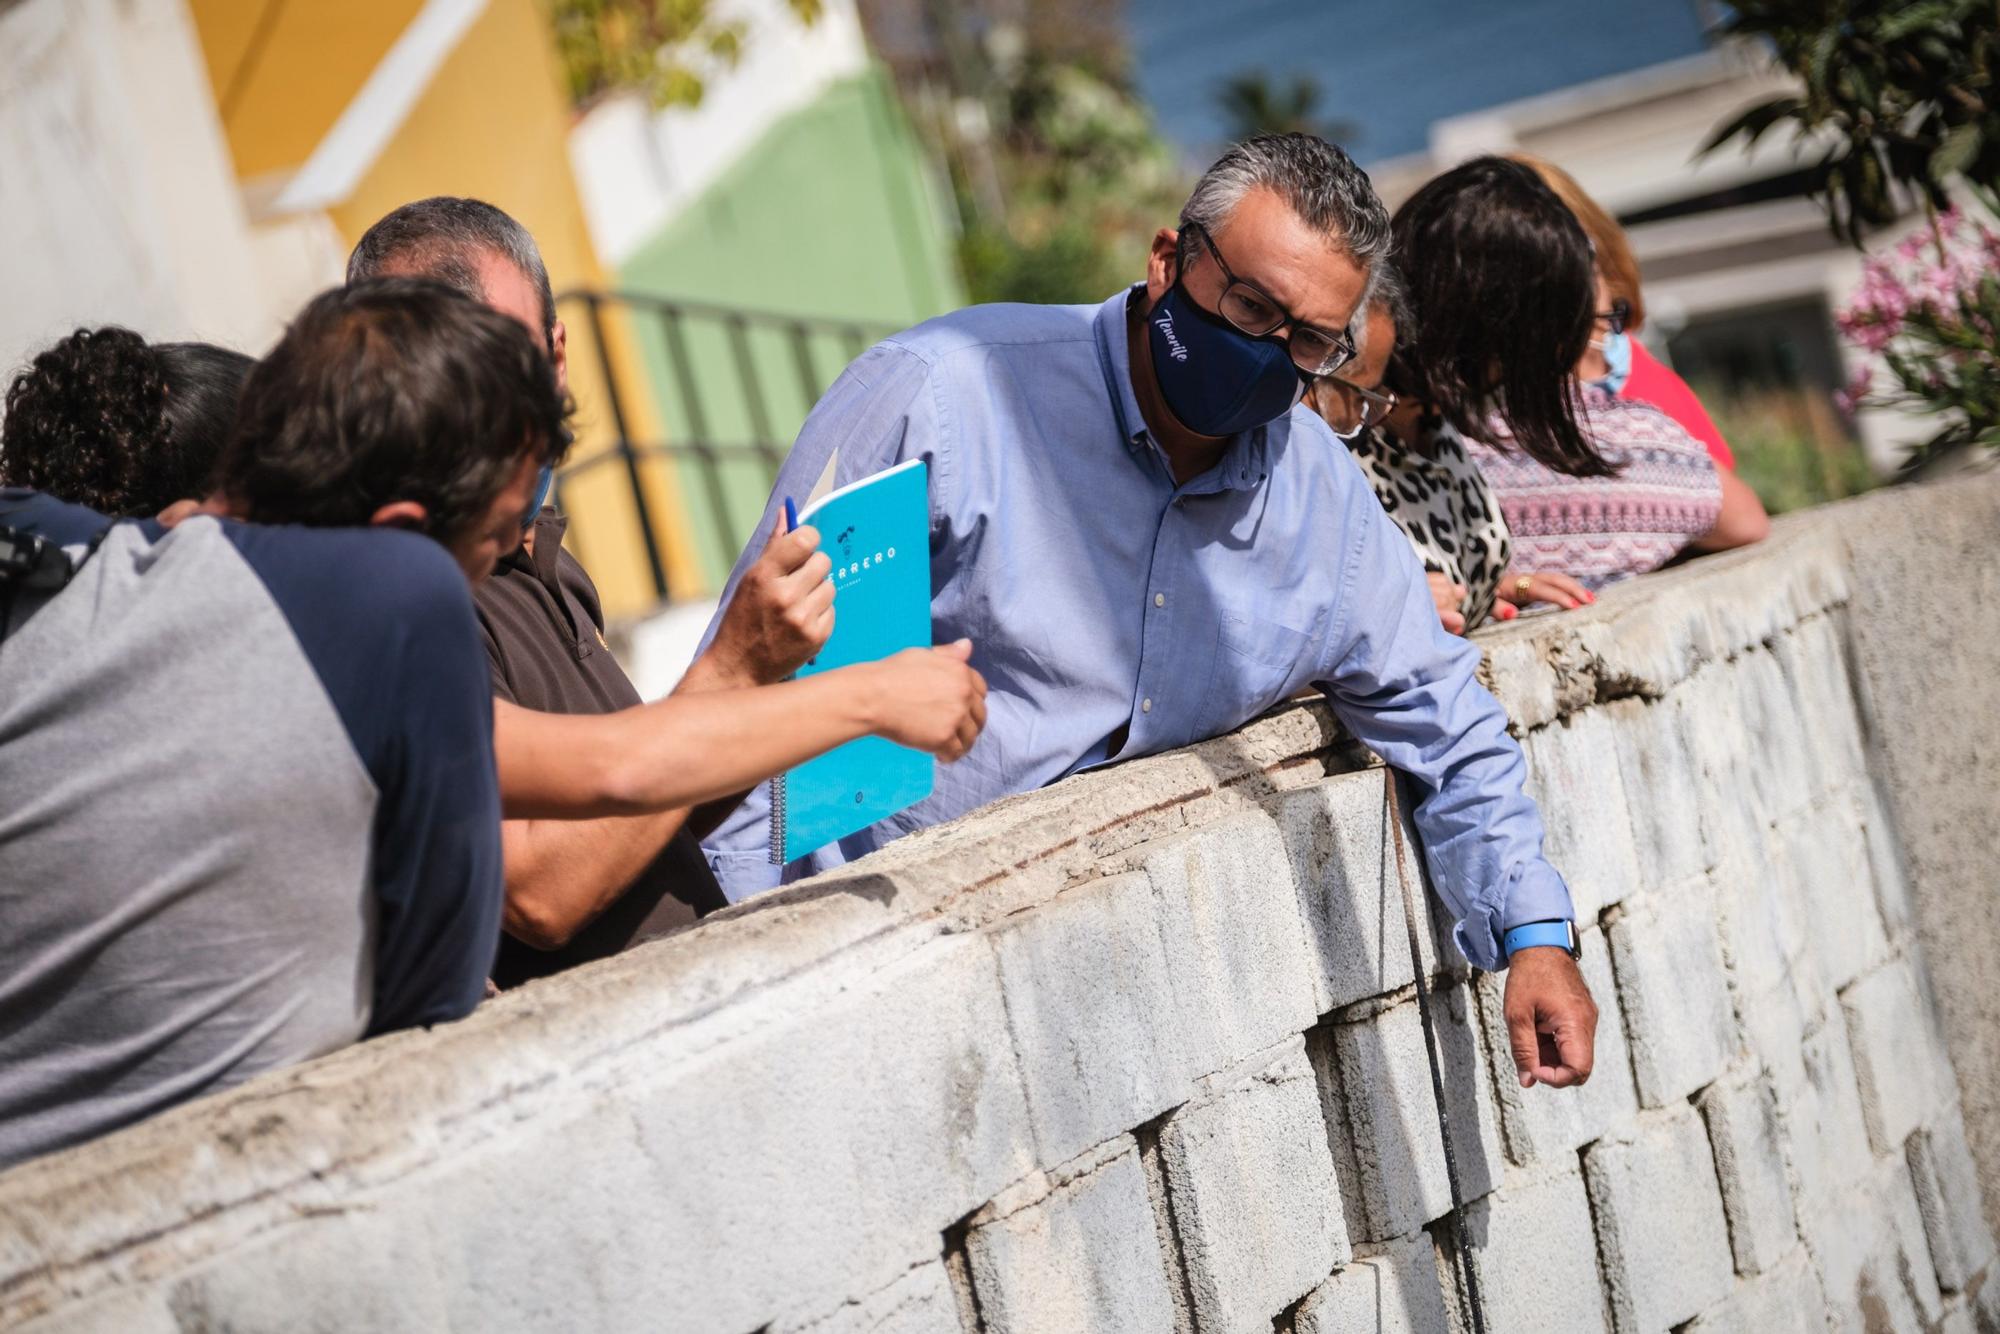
(791, 516)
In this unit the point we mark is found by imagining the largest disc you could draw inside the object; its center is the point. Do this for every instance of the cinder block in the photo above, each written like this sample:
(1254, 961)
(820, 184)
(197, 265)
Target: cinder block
(1235, 945)
(1352, 905)
(1947, 1193)
(1377, 1095)
(389, 1282)
(1813, 657)
(1655, 762)
(815, 1156)
(1787, 1300)
(919, 1301)
(1660, 1227)
(1783, 776)
(1885, 863)
(1773, 979)
(1089, 1005)
(1255, 1202)
(1899, 1057)
(1074, 1250)
(1573, 776)
(1530, 1239)
(1872, 1255)
(1708, 709)
(1836, 893)
(1394, 1289)
(1823, 1128)
(1547, 1124)
(1673, 992)
(1742, 1118)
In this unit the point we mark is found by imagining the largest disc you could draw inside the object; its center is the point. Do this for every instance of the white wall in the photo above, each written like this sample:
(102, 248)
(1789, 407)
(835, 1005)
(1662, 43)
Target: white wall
(1138, 1052)
(118, 202)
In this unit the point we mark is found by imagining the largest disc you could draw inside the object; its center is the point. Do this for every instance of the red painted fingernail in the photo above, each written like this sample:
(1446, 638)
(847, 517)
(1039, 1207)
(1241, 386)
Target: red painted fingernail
(1506, 611)
(1590, 597)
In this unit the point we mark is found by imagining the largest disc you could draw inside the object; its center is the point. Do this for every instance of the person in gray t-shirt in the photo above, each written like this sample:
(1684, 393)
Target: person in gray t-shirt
(248, 807)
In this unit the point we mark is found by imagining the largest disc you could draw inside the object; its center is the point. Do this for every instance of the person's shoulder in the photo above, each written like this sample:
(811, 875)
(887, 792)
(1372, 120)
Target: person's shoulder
(384, 571)
(52, 520)
(996, 325)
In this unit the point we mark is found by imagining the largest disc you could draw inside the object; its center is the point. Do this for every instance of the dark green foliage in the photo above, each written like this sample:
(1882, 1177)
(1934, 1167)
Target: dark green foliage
(1894, 93)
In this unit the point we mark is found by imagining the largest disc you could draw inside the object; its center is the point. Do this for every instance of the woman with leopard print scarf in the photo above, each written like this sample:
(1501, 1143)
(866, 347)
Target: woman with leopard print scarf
(1480, 325)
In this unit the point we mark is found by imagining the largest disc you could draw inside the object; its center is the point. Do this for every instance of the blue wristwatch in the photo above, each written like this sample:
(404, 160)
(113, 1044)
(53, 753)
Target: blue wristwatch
(1560, 932)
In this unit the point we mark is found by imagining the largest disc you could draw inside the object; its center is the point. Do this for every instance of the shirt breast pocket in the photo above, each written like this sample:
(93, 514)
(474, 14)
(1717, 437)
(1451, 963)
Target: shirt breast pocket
(1258, 663)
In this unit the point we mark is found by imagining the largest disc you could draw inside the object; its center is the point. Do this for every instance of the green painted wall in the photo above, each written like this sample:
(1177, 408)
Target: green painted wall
(834, 213)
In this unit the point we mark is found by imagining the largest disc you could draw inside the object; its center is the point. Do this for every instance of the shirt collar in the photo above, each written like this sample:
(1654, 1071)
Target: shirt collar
(550, 526)
(1244, 465)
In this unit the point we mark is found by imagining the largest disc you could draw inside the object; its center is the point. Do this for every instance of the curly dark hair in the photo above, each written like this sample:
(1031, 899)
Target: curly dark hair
(386, 390)
(1501, 284)
(107, 420)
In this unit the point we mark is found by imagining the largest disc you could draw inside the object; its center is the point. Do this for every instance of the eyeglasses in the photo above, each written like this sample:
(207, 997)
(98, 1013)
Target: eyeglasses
(1314, 351)
(1376, 404)
(1614, 318)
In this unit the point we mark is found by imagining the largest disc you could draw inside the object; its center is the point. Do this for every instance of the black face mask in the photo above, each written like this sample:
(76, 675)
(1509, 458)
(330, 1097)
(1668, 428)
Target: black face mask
(1218, 380)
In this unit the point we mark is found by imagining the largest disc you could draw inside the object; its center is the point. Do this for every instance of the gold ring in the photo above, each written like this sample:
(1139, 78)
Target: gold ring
(1523, 584)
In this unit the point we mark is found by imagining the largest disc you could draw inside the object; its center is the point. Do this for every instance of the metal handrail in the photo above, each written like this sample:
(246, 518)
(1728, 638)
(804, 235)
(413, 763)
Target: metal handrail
(699, 447)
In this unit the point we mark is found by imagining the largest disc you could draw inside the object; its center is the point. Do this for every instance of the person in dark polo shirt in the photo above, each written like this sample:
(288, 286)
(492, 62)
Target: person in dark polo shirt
(579, 890)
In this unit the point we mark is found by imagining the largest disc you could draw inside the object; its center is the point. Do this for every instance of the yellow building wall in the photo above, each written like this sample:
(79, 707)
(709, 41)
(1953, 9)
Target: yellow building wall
(283, 73)
(492, 124)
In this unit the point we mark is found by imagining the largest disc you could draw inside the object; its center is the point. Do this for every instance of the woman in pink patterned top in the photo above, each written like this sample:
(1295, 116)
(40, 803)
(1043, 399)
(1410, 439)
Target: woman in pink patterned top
(1665, 496)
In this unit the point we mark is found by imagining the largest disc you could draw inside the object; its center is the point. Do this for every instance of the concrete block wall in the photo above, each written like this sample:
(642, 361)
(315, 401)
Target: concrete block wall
(1141, 1052)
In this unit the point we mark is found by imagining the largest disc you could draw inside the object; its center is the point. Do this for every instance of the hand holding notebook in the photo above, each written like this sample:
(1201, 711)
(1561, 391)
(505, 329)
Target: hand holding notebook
(877, 534)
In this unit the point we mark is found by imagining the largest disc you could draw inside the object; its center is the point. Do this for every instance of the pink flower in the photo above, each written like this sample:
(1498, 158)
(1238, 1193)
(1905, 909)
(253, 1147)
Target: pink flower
(1850, 399)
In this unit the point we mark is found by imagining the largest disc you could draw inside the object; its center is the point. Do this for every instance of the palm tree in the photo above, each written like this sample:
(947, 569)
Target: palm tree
(1254, 103)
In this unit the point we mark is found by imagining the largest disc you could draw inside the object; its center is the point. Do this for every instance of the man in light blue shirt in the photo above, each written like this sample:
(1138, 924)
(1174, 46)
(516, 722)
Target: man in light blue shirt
(1150, 543)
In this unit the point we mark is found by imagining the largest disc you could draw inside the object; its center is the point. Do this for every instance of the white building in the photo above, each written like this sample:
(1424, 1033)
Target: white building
(1741, 272)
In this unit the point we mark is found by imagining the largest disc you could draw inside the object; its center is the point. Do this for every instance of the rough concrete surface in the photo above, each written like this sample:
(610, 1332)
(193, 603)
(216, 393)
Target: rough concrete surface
(1659, 1217)
(1254, 1199)
(1075, 1252)
(1138, 1051)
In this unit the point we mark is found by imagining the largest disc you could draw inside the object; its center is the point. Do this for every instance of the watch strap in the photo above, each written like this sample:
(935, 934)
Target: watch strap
(1560, 932)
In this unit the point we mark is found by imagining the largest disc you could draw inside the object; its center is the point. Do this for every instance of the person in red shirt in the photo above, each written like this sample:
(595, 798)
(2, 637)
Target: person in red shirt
(1620, 363)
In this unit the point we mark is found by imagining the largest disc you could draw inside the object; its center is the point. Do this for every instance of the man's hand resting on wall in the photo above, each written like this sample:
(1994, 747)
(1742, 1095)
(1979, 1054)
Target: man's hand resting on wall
(1551, 1019)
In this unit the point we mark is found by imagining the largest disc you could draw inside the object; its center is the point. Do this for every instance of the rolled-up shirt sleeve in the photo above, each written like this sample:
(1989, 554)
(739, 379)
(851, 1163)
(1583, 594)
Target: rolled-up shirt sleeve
(1408, 689)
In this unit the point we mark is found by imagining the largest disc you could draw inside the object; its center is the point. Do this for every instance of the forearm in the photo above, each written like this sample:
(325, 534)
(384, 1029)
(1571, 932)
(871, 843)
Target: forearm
(562, 873)
(677, 752)
(1410, 692)
(711, 672)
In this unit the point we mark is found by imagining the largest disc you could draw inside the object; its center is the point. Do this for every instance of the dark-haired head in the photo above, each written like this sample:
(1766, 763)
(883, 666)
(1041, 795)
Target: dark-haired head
(107, 420)
(398, 401)
(1501, 285)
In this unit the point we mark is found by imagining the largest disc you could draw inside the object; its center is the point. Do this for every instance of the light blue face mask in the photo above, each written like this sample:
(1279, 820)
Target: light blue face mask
(1617, 350)
(542, 483)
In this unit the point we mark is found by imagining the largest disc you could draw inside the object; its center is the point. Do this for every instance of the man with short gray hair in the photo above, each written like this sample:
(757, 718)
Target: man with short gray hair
(1151, 542)
(579, 890)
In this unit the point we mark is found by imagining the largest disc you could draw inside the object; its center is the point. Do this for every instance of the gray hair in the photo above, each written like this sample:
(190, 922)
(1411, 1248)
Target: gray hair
(1317, 180)
(443, 238)
(1390, 294)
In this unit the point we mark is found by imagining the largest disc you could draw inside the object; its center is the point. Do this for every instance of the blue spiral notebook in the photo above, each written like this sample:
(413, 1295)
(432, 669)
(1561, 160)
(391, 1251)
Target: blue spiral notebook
(877, 531)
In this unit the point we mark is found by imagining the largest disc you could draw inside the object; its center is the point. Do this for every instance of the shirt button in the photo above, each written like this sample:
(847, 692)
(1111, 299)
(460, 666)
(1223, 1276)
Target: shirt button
(1145, 706)
(1159, 599)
